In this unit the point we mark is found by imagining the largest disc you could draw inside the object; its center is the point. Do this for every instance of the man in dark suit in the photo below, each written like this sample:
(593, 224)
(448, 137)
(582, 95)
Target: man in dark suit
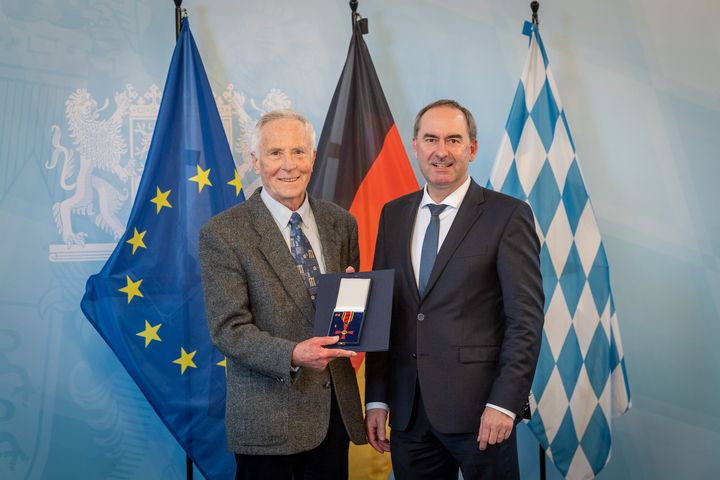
(292, 404)
(467, 314)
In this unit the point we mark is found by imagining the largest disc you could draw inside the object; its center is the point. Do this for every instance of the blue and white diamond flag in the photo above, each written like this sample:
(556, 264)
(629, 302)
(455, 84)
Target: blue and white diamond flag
(581, 380)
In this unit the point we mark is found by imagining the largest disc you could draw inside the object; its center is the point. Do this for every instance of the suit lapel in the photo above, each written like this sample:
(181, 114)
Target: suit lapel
(408, 219)
(329, 238)
(468, 213)
(273, 247)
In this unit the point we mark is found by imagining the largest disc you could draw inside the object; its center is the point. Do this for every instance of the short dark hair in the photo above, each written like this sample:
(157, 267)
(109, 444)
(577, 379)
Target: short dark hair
(444, 102)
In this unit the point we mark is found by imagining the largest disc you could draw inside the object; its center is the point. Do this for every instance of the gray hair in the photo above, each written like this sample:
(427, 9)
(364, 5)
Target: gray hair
(471, 125)
(280, 114)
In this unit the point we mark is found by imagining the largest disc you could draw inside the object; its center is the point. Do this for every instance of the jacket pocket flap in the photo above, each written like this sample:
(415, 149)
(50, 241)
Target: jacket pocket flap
(478, 354)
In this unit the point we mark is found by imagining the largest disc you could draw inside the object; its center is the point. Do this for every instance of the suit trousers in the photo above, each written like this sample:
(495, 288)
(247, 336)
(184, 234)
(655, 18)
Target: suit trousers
(327, 461)
(422, 452)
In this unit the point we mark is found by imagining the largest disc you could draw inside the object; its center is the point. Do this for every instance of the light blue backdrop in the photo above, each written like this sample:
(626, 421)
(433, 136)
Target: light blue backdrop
(639, 80)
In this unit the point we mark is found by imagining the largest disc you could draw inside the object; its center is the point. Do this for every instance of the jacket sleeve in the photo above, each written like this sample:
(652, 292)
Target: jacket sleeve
(377, 363)
(230, 320)
(518, 268)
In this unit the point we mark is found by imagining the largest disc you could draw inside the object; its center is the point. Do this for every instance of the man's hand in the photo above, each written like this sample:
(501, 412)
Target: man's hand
(495, 427)
(350, 269)
(375, 419)
(312, 353)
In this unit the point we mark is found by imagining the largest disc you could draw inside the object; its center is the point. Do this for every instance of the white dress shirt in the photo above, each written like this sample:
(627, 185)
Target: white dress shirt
(281, 214)
(422, 220)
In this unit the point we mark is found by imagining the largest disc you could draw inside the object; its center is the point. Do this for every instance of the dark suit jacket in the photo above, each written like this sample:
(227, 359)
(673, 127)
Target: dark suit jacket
(258, 309)
(475, 336)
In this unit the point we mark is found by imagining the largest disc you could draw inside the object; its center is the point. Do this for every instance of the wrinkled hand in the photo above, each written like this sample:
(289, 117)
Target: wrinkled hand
(375, 420)
(495, 427)
(312, 353)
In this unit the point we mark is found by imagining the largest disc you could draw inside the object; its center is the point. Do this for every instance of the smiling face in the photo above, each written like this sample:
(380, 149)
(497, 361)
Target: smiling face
(443, 150)
(284, 160)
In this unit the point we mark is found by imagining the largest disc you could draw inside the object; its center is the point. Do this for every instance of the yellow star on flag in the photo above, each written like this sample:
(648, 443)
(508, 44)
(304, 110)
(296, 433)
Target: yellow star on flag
(185, 360)
(137, 240)
(235, 182)
(161, 200)
(223, 363)
(150, 333)
(132, 288)
(202, 178)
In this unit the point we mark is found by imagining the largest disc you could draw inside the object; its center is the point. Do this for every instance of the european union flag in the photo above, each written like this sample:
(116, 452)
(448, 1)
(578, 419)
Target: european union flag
(147, 300)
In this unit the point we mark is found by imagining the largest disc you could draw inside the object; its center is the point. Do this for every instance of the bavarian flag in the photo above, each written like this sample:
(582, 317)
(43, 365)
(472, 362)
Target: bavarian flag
(361, 164)
(147, 301)
(581, 380)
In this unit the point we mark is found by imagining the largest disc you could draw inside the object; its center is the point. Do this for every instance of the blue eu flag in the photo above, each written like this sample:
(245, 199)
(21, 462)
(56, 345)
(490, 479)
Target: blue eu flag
(147, 300)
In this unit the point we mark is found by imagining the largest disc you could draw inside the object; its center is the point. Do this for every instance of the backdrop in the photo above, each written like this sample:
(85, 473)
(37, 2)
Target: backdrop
(639, 82)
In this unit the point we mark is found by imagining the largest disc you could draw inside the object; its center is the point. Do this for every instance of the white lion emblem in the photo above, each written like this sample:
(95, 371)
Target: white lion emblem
(273, 100)
(103, 166)
(97, 178)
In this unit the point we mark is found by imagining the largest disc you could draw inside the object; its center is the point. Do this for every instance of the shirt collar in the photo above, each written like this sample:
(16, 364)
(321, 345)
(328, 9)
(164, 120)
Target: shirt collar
(280, 212)
(453, 200)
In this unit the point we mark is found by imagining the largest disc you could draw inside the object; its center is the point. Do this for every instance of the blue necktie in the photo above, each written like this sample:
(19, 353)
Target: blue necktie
(430, 246)
(304, 256)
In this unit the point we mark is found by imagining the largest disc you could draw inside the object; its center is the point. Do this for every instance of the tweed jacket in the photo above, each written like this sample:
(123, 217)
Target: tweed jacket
(258, 309)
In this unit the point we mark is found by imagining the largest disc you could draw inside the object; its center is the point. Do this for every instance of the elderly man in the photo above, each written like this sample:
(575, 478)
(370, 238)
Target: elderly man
(292, 404)
(467, 314)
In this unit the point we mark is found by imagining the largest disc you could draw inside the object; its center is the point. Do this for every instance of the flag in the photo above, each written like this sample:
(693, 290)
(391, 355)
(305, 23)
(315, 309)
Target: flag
(581, 379)
(147, 301)
(361, 164)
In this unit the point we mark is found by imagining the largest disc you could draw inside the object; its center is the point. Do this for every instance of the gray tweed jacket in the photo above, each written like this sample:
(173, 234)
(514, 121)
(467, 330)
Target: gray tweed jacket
(258, 309)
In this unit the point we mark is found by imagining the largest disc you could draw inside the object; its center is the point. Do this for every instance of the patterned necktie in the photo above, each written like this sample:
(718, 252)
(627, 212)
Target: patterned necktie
(429, 246)
(304, 256)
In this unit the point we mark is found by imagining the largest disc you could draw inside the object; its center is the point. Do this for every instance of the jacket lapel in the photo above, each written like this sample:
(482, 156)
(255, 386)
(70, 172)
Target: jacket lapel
(273, 247)
(468, 213)
(407, 227)
(329, 238)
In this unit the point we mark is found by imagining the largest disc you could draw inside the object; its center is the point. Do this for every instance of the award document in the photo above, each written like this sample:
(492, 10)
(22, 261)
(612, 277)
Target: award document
(349, 311)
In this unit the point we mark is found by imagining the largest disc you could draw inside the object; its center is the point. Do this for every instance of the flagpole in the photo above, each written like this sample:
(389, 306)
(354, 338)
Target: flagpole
(178, 25)
(534, 7)
(357, 19)
(178, 17)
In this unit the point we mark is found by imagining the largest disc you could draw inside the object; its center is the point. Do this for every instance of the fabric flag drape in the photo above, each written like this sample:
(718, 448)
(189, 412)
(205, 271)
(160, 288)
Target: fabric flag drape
(147, 300)
(581, 379)
(361, 164)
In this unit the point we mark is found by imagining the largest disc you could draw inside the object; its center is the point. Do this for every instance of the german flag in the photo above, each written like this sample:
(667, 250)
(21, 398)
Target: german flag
(361, 164)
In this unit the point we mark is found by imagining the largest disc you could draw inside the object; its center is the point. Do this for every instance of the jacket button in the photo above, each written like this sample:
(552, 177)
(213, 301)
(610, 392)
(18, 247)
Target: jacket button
(420, 317)
(326, 384)
(413, 355)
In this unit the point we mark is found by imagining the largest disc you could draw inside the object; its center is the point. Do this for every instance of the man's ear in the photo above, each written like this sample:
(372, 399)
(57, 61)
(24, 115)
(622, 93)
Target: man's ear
(473, 149)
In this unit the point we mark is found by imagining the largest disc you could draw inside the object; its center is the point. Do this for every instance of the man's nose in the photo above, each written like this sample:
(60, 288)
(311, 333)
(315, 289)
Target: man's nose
(288, 161)
(441, 150)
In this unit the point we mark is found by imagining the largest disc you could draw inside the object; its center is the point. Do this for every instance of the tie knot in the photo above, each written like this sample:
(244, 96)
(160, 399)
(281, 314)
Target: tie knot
(295, 219)
(436, 210)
